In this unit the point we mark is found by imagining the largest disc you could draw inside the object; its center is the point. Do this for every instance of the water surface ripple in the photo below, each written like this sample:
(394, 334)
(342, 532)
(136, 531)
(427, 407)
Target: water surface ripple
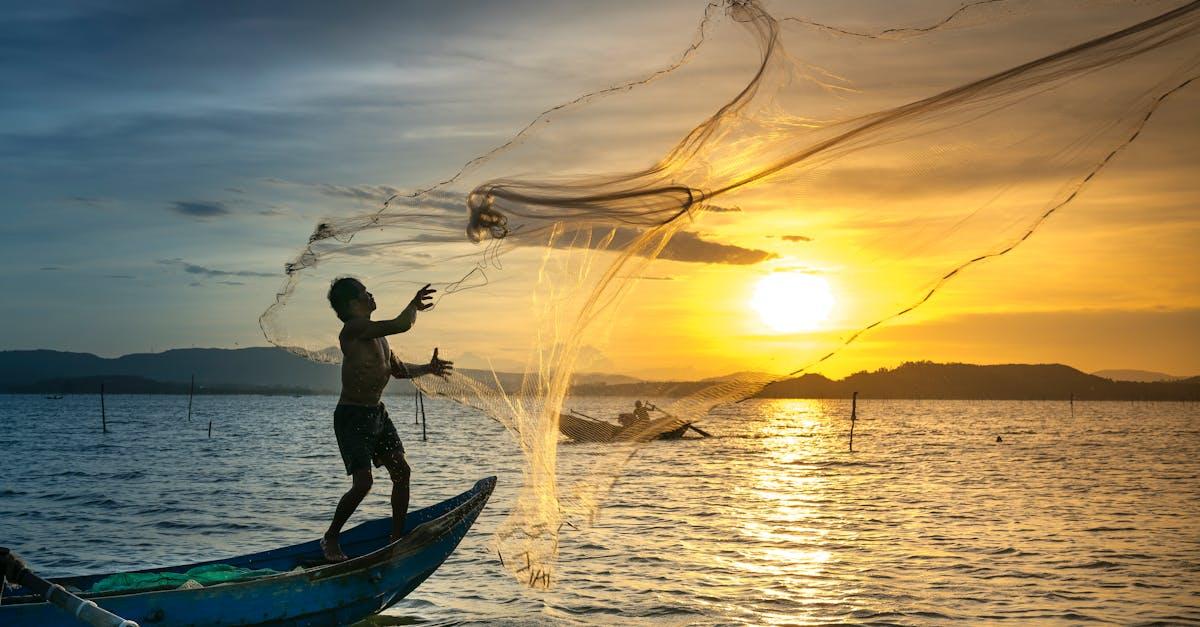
(1090, 517)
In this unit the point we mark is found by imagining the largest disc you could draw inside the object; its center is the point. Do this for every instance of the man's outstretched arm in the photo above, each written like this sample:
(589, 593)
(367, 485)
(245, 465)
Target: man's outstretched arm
(436, 366)
(369, 329)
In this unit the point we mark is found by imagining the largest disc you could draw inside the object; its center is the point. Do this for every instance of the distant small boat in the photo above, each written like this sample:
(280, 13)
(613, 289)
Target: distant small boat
(54, 397)
(377, 576)
(587, 429)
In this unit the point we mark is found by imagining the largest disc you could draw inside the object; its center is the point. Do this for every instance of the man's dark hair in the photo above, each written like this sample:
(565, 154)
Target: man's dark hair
(342, 292)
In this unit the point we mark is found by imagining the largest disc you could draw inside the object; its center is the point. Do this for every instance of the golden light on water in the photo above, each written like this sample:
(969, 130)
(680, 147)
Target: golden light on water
(789, 302)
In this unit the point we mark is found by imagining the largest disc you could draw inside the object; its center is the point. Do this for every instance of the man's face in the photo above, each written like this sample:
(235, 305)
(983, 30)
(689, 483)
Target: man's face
(365, 297)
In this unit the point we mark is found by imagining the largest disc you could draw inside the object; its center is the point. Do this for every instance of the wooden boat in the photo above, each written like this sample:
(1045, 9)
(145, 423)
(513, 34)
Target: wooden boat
(584, 429)
(377, 576)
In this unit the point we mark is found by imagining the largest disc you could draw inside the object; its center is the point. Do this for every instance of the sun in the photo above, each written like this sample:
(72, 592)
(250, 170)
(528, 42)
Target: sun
(792, 301)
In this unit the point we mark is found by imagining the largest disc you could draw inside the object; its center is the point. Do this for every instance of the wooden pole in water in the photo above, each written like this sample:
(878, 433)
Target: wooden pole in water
(1072, 401)
(421, 399)
(853, 418)
(103, 414)
(191, 391)
(416, 404)
(210, 427)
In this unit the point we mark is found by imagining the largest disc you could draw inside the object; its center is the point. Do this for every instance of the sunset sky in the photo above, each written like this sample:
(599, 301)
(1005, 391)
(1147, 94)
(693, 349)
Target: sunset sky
(162, 161)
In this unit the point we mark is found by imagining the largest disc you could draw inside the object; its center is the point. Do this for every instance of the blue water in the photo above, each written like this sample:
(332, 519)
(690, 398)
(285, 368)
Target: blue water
(1075, 518)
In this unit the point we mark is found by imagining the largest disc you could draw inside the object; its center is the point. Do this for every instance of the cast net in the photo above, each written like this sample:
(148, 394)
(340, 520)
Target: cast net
(827, 140)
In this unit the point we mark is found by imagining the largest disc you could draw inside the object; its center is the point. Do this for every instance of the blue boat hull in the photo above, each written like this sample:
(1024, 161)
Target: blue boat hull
(378, 575)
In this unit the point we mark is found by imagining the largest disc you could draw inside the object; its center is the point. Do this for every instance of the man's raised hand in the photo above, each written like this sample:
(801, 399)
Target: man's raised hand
(423, 299)
(440, 367)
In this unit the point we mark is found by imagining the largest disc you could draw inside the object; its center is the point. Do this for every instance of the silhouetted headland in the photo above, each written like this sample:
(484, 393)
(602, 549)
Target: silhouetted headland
(927, 380)
(275, 371)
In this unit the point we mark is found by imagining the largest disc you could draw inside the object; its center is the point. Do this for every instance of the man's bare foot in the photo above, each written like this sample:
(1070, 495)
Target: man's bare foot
(331, 550)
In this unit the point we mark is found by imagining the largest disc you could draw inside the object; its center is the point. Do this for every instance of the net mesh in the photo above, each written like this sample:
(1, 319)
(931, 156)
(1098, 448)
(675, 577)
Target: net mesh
(872, 161)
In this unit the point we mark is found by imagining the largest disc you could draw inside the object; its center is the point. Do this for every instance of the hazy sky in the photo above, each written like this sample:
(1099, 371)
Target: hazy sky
(161, 161)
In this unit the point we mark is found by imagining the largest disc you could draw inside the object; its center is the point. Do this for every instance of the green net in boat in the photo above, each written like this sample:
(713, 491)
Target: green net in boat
(202, 575)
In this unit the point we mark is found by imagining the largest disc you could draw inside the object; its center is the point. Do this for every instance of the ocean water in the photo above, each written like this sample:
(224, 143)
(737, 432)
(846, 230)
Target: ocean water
(1090, 515)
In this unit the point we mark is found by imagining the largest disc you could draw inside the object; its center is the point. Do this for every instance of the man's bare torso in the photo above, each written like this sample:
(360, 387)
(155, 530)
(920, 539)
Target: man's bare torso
(366, 368)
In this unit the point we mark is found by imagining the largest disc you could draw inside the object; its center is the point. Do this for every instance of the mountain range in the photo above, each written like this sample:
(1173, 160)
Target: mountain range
(1144, 376)
(262, 370)
(270, 370)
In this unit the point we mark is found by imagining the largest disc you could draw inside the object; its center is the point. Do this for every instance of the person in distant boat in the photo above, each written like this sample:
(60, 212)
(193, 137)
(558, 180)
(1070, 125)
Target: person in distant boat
(641, 411)
(365, 434)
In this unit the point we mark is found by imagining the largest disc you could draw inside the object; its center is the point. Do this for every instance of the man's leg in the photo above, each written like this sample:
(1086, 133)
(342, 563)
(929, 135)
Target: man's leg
(400, 472)
(345, 507)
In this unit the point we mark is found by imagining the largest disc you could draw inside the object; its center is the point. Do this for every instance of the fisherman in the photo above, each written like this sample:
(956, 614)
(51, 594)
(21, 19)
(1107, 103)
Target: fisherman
(364, 432)
(641, 411)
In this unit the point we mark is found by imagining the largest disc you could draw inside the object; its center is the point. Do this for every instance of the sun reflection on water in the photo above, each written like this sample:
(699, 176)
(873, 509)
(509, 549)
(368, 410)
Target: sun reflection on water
(785, 524)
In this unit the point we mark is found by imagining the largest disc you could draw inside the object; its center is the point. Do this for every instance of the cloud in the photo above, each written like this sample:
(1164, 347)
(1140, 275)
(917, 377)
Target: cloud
(50, 268)
(451, 202)
(439, 199)
(354, 192)
(689, 247)
(795, 238)
(719, 209)
(372, 193)
(685, 246)
(91, 201)
(192, 268)
(200, 209)
(119, 276)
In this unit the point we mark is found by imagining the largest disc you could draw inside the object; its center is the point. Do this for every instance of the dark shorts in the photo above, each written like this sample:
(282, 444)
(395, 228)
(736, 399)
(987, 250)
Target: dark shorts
(365, 434)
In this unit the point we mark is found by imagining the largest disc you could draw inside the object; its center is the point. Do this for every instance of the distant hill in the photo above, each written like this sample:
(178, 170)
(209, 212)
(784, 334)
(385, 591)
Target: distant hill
(656, 389)
(643, 389)
(265, 370)
(920, 380)
(276, 371)
(744, 374)
(1144, 376)
(600, 378)
(247, 368)
(124, 384)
